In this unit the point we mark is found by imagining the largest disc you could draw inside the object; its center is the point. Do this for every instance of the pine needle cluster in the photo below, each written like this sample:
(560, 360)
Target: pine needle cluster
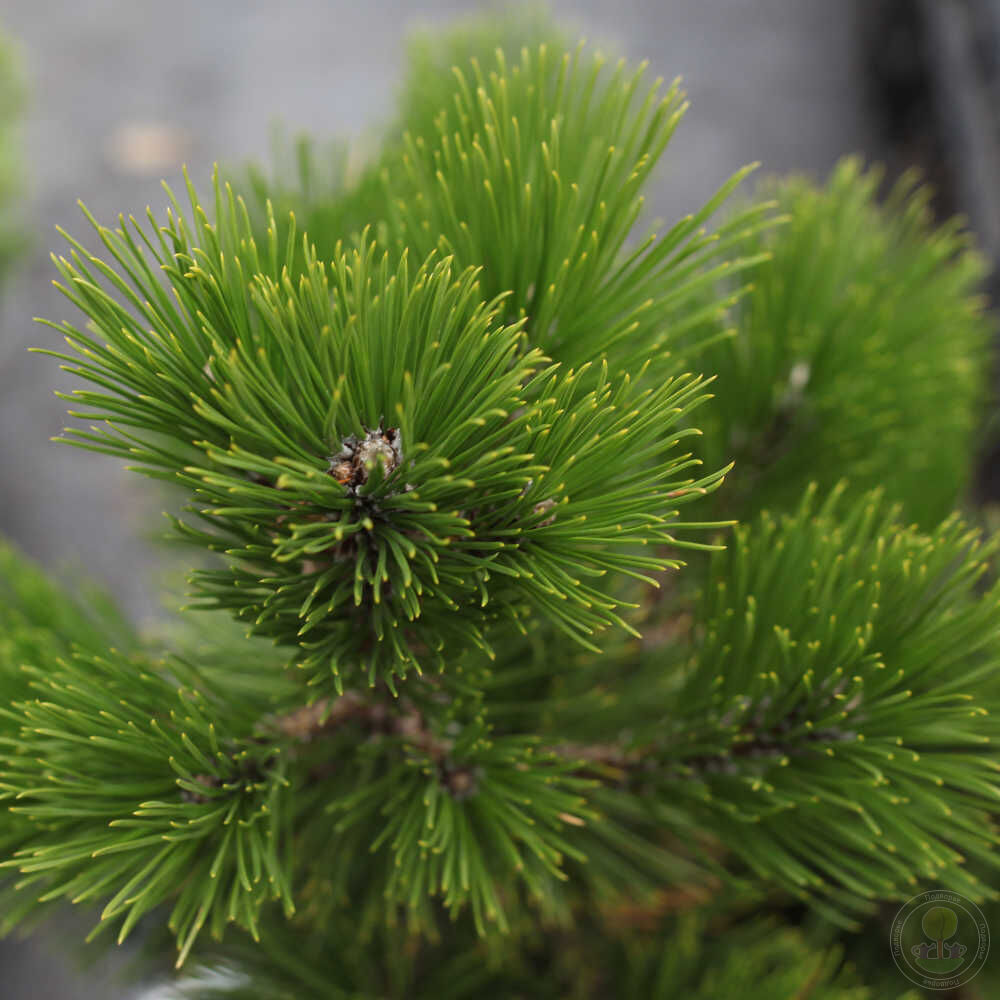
(847, 667)
(386, 466)
(876, 359)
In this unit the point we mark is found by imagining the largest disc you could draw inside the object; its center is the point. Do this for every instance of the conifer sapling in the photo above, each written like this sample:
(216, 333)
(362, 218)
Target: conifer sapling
(435, 447)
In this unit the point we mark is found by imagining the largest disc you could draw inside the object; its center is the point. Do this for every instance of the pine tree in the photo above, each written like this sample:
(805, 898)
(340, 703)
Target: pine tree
(513, 707)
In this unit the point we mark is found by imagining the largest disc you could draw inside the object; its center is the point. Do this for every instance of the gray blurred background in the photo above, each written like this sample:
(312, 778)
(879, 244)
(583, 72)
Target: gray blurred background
(121, 92)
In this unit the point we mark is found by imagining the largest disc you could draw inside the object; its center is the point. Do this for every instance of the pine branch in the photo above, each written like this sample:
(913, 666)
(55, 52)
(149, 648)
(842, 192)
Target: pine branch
(384, 467)
(864, 340)
(138, 787)
(835, 723)
(527, 162)
(533, 170)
